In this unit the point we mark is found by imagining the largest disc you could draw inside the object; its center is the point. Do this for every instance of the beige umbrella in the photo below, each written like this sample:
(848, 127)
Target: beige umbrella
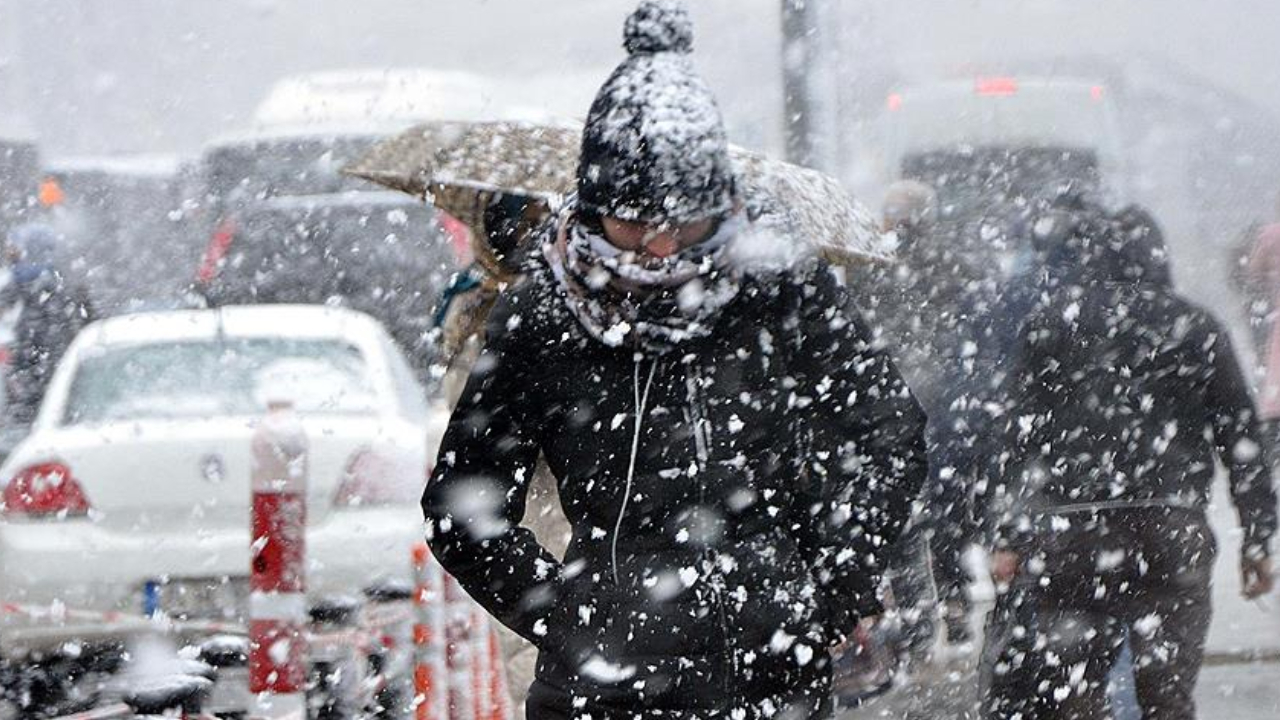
(405, 161)
(460, 166)
(810, 206)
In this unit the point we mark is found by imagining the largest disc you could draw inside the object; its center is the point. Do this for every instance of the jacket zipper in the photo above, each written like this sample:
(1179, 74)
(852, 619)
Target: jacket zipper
(702, 450)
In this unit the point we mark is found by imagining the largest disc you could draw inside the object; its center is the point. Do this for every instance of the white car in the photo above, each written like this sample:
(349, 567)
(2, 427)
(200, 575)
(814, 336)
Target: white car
(135, 478)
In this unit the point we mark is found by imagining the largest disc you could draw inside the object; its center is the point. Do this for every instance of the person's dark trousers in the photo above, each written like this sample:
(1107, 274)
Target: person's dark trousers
(946, 548)
(1052, 641)
(1168, 655)
(1059, 669)
(953, 459)
(913, 593)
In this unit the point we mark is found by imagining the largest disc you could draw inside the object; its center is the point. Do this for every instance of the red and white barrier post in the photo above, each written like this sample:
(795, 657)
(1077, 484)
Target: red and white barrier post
(429, 670)
(500, 701)
(277, 577)
(458, 652)
(481, 663)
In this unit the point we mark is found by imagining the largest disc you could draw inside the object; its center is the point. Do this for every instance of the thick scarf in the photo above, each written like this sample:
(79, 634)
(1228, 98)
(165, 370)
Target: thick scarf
(654, 306)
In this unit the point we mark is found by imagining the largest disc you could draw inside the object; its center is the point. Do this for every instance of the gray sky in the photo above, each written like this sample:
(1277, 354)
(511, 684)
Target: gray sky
(164, 75)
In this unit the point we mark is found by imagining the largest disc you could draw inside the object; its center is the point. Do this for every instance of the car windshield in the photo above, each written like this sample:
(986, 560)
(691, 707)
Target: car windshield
(311, 253)
(1066, 115)
(985, 195)
(233, 377)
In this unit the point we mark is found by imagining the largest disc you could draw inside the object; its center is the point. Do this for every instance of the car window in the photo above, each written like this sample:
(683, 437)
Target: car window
(197, 379)
(985, 196)
(360, 251)
(285, 166)
(1062, 116)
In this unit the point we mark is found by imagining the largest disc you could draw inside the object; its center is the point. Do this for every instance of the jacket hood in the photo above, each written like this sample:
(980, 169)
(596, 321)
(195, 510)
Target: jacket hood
(1083, 242)
(1144, 256)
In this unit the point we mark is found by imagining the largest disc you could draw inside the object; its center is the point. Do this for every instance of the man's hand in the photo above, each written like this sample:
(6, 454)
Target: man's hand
(1256, 577)
(857, 638)
(839, 649)
(1004, 567)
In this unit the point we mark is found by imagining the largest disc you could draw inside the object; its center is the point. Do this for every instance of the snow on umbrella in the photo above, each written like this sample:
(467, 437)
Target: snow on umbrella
(405, 161)
(810, 205)
(461, 166)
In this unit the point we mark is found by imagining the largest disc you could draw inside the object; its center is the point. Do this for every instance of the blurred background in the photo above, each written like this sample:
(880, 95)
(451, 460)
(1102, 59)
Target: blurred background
(1192, 82)
(189, 152)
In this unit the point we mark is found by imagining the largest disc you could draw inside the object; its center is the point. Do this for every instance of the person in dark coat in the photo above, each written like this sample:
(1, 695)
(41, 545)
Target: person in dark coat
(53, 312)
(732, 453)
(924, 306)
(1124, 395)
(917, 310)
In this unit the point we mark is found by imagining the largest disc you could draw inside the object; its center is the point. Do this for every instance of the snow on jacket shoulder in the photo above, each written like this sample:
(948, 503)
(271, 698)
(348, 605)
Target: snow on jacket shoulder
(730, 500)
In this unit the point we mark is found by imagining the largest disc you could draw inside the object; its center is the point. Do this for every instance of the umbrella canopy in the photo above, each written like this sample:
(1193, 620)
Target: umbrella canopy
(812, 206)
(405, 162)
(461, 166)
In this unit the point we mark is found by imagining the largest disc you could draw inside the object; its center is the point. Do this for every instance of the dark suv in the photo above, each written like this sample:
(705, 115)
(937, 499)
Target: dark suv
(379, 252)
(283, 224)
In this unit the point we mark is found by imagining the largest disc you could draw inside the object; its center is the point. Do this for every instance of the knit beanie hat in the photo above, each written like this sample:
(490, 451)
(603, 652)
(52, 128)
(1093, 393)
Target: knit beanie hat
(654, 147)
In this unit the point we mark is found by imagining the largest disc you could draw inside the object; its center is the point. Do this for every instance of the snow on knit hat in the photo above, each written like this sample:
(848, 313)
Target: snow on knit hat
(654, 148)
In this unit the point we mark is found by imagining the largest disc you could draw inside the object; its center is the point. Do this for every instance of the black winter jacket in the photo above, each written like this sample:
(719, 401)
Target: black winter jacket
(730, 500)
(1123, 393)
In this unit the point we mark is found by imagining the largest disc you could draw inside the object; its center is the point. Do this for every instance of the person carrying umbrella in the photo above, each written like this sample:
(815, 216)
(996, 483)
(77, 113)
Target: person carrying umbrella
(496, 234)
(731, 451)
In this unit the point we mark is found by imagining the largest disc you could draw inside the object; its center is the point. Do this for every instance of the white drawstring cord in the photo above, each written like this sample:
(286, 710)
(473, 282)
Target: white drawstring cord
(641, 401)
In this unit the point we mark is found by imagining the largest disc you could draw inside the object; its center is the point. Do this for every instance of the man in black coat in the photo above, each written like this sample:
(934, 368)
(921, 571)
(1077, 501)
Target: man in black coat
(1124, 395)
(732, 453)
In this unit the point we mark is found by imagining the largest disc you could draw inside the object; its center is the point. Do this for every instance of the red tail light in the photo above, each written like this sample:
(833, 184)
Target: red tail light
(997, 86)
(894, 102)
(45, 489)
(219, 246)
(372, 480)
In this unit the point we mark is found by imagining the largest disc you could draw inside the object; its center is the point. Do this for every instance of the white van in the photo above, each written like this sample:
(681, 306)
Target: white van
(395, 98)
